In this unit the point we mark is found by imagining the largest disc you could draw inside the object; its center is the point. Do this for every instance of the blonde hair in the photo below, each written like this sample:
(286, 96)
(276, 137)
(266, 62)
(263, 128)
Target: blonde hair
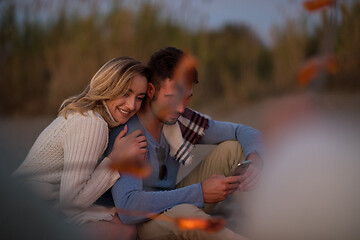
(110, 81)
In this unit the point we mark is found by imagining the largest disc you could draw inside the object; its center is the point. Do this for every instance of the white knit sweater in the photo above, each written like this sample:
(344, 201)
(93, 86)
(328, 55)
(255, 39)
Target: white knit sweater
(65, 165)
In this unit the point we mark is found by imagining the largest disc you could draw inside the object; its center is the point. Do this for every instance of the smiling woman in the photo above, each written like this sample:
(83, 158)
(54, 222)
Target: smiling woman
(65, 164)
(123, 107)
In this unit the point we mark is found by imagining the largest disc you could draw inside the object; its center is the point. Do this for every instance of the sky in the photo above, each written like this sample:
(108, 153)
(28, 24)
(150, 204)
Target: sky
(260, 15)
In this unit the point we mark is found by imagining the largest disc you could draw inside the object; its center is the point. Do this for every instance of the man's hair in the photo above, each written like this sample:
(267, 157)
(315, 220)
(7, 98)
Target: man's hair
(163, 63)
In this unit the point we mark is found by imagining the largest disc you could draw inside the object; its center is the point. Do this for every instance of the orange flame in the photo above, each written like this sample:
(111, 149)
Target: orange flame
(186, 65)
(210, 225)
(313, 67)
(313, 5)
(183, 75)
(136, 168)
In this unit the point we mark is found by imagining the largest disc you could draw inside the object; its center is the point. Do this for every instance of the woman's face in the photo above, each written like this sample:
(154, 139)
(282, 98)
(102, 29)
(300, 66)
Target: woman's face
(122, 108)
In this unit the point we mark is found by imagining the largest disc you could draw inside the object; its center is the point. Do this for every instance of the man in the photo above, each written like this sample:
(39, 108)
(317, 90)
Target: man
(171, 130)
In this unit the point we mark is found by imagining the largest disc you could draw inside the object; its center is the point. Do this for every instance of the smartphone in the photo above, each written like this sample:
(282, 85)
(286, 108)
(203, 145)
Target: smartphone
(241, 168)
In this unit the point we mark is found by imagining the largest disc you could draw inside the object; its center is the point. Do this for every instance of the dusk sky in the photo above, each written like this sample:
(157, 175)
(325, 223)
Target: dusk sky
(260, 15)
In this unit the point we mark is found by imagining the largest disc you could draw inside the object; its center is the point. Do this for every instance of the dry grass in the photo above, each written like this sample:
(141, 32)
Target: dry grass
(44, 63)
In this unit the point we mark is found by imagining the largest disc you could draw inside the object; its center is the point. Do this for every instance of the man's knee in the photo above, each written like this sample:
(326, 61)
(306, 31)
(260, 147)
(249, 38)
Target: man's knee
(230, 146)
(185, 210)
(230, 149)
(160, 229)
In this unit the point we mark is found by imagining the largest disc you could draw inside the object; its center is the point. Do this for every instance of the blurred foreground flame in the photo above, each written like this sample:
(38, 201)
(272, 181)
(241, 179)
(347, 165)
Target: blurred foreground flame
(315, 66)
(309, 188)
(185, 68)
(136, 168)
(184, 74)
(313, 5)
(210, 225)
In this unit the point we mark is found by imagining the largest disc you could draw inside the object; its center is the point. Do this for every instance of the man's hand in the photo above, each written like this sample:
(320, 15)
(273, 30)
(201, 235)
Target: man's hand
(251, 177)
(217, 187)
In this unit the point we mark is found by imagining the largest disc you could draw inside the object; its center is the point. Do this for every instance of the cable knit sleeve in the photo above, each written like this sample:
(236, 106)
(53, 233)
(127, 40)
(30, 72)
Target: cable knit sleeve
(83, 181)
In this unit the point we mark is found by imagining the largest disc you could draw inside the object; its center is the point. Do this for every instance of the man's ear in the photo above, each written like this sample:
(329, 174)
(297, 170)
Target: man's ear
(150, 92)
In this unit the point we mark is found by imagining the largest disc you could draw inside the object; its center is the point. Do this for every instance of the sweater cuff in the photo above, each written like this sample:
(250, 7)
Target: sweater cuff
(106, 164)
(202, 204)
(261, 162)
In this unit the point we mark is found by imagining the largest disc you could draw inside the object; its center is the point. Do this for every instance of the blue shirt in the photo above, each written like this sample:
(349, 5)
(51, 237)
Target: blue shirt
(154, 195)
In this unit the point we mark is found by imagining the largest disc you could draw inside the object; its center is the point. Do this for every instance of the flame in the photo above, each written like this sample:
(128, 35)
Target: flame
(184, 68)
(184, 75)
(313, 5)
(314, 66)
(331, 64)
(138, 169)
(210, 225)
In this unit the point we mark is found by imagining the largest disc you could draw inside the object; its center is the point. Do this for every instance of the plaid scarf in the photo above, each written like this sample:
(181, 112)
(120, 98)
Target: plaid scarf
(184, 134)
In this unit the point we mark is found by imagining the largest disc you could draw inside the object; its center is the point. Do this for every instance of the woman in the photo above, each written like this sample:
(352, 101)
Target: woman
(65, 163)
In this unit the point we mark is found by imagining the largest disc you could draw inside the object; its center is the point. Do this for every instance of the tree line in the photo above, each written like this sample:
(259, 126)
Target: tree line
(42, 63)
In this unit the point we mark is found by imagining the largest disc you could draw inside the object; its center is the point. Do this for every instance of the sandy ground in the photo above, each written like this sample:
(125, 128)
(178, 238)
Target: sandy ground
(18, 134)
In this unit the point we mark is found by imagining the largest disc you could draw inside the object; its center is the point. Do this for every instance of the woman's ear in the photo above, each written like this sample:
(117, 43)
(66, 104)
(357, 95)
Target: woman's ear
(150, 92)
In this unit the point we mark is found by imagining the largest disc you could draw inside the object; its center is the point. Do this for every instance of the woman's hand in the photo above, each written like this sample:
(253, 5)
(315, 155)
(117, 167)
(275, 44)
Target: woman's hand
(129, 153)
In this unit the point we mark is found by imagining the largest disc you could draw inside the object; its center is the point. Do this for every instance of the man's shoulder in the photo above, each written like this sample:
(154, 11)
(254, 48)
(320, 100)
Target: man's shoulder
(114, 132)
(132, 124)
